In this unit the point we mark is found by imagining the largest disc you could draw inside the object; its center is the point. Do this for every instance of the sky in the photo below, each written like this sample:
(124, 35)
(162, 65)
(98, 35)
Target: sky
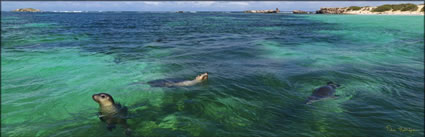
(186, 5)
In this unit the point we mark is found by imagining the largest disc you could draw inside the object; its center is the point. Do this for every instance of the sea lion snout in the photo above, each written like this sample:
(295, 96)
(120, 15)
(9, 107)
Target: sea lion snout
(94, 97)
(102, 98)
(334, 85)
(203, 76)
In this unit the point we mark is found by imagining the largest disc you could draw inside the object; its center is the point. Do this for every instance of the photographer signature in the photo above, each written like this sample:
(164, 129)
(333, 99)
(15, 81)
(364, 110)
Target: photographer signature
(400, 129)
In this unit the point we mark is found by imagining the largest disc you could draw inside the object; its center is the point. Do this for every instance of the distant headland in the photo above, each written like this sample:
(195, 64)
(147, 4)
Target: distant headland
(387, 9)
(27, 10)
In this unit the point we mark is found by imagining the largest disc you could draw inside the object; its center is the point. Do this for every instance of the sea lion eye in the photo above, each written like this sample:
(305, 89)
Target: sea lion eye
(103, 96)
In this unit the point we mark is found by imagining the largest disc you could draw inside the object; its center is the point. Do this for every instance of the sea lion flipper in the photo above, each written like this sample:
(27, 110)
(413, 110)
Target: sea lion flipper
(310, 100)
(100, 116)
(307, 102)
(335, 96)
(128, 132)
(124, 111)
(101, 119)
(110, 127)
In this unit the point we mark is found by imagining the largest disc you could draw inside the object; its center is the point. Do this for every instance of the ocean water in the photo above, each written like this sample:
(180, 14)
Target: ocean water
(261, 67)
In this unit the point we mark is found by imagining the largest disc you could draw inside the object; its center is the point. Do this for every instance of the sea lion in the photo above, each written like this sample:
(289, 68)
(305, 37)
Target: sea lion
(110, 112)
(178, 82)
(323, 92)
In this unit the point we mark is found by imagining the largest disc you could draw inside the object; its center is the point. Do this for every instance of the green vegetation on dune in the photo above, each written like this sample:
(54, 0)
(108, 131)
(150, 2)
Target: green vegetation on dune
(422, 9)
(396, 7)
(354, 8)
(409, 7)
(382, 8)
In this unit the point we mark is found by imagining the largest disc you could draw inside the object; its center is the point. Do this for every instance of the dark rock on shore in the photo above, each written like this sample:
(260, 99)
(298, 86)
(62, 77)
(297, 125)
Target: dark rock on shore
(331, 10)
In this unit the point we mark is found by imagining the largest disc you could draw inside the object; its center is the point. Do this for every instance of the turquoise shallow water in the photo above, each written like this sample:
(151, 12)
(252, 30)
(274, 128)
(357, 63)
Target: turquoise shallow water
(261, 69)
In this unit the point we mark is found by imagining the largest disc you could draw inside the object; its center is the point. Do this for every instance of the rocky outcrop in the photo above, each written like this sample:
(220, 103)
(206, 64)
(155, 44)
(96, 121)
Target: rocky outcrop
(300, 12)
(331, 11)
(369, 10)
(263, 11)
(27, 10)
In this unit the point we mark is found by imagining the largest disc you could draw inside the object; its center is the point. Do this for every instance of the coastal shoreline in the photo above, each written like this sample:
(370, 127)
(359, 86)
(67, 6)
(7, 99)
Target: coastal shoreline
(417, 10)
(379, 10)
(393, 14)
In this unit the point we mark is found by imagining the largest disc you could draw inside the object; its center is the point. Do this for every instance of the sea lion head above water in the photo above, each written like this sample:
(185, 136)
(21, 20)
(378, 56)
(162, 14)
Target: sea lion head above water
(103, 99)
(202, 77)
(323, 92)
(333, 85)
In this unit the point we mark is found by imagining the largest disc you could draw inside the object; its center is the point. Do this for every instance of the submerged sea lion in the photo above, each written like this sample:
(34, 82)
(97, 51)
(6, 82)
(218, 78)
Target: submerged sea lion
(110, 112)
(323, 92)
(178, 82)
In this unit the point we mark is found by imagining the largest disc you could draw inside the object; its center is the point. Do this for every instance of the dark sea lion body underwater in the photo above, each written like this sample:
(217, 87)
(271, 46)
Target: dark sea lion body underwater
(323, 92)
(111, 113)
